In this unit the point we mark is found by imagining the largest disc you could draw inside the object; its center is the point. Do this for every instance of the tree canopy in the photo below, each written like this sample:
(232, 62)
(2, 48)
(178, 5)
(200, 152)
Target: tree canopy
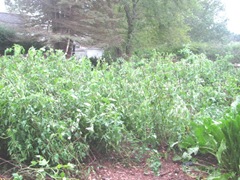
(126, 24)
(90, 22)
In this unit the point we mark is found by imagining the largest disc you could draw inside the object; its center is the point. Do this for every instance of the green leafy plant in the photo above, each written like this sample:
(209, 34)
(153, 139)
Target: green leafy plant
(229, 158)
(220, 139)
(154, 162)
(40, 169)
(64, 109)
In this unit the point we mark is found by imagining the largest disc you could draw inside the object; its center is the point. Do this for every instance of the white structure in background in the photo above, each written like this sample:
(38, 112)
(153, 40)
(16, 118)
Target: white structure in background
(13, 21)
(88, 52)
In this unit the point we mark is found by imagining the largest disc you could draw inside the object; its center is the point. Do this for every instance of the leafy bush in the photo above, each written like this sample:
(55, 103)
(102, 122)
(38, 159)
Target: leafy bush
(234, 50)
(218, 51)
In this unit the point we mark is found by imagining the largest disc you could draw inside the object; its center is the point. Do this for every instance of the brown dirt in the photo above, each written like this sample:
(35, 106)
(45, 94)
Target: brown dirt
(117, 171)
(111, 169)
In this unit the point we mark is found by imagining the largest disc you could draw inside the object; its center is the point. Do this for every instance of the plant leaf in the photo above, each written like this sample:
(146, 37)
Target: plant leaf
(220, 151)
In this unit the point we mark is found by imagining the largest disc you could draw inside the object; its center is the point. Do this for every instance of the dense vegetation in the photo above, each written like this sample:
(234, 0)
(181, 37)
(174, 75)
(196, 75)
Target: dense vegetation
(9, 36)
(6, 37)
(56, 112)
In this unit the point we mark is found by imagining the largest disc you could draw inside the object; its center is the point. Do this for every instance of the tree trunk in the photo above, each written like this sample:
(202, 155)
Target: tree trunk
(131, 17)
(67, 47)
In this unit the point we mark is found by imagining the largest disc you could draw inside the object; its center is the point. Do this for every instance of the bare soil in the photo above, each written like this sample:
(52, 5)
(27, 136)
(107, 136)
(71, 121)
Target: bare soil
(116, 171)
(111, 169)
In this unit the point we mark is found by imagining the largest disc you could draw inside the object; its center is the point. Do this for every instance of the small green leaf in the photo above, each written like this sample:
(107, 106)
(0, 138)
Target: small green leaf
(91, 128)
(186, 156)
(177, 158)
(33, 163)
(69, 166)
(59, 166)
(220, 151)
(193, 150)
(40, 170)
(62, 174)
(16, 176)
(43, 162)
(87, 104)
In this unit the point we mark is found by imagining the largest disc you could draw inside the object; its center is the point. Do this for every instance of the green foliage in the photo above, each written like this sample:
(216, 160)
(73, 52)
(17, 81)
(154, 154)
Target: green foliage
(7, 37)
(62, 109)
(41, 169)
(207, 22)
(229, 158)
(154, 162)
(220, 138)
(215, 51)
(129, 25)
(74, 21)
(162, 23)
(159, 23)
(234, 50)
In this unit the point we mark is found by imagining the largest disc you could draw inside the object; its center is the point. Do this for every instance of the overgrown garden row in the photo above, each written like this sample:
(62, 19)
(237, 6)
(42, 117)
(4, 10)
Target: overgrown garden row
(57, 112)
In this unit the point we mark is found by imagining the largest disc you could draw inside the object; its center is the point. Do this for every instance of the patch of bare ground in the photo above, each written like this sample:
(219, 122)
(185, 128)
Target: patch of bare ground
(116, 171)
(112, 169)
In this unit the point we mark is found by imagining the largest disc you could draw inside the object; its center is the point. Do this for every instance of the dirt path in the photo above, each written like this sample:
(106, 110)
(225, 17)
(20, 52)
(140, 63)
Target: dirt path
(116, 171)
(113, 170)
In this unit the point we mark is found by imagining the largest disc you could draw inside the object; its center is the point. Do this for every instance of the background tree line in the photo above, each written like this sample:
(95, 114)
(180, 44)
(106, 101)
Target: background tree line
(125, 26)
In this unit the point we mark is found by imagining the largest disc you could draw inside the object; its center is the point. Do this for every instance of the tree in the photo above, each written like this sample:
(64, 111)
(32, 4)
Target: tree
(128, 25)
(130, 9)
(155, 22)
(13, 31)
(207, 24)
(167, 22)
(64, 21)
